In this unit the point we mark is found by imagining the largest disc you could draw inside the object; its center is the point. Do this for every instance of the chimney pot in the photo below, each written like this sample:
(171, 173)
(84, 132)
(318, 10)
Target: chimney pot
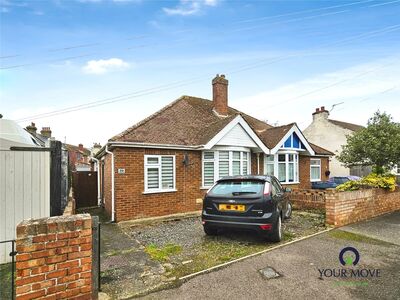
(46, 131)
(220, 94)
(31, 128)
(322, 108)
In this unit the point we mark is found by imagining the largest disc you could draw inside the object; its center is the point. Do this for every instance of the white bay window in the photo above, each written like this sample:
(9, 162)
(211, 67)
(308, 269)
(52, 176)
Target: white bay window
(220, 163)
(159, 173)
(283, 165)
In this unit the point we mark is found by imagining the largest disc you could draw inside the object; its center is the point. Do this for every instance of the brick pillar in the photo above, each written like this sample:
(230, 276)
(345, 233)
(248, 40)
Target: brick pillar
(331, 210)
(54, 259)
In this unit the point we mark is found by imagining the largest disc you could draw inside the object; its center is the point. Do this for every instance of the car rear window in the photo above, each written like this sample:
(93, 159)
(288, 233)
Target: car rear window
(237, 188)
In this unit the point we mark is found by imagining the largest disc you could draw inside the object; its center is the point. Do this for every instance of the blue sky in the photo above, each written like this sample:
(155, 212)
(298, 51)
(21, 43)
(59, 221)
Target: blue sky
(282, 58)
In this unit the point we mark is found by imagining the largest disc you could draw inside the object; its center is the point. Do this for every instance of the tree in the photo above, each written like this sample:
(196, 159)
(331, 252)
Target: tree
(377, 145)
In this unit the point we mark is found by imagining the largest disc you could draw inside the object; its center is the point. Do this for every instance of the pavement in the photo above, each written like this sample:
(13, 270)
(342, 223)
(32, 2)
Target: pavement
(298, 266)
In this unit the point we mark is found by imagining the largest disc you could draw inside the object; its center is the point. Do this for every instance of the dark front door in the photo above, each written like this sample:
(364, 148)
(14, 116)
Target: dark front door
(84, 184)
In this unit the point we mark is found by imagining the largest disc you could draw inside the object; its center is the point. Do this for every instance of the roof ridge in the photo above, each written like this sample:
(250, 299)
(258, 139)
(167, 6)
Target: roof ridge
(152, 116)
(275, 127)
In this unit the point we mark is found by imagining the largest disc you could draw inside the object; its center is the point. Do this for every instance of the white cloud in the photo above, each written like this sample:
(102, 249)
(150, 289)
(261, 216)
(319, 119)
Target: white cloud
(103, 66)
(189, 7)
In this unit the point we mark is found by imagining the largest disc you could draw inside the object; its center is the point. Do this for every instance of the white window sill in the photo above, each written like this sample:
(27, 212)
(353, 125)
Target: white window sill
(297, 182)
(159, 191)
(315, 180)
(205, 187)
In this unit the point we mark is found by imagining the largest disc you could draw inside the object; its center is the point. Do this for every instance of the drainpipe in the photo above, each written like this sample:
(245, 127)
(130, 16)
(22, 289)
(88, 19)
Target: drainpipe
(98, 181)
(112, 185)
(258, 163)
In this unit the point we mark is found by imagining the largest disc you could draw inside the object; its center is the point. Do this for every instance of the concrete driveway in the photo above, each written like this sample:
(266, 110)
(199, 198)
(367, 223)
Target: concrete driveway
(298, 264)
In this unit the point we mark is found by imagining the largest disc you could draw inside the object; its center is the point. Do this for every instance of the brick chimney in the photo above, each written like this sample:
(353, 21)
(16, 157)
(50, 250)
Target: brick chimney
(31, 128)
(46, 131)
(220, 95)
(320, 113)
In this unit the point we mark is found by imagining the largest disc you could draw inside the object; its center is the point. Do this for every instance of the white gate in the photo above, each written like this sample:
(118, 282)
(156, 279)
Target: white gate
(24, 191)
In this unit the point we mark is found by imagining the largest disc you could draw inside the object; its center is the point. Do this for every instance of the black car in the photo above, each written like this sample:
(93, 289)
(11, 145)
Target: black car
(251, 202)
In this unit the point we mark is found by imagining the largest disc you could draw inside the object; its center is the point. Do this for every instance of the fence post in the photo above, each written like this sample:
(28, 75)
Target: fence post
(55, 179)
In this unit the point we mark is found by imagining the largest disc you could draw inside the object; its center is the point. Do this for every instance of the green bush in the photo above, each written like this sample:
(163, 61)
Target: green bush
(373, 180)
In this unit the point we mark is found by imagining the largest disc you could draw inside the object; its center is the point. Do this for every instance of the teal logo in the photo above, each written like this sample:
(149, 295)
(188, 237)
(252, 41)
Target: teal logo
(349, 256)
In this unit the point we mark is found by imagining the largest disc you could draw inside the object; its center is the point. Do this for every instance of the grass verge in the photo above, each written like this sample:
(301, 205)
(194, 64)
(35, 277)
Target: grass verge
(163, 254)
(355, 237)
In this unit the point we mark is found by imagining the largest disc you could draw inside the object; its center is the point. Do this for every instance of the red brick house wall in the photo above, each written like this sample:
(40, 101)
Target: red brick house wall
(130, 200)
(132, 203)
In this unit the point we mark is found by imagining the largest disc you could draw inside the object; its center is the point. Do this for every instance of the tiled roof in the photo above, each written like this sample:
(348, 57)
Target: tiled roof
(188, 121)
(319, 150)
(345, 125)
(191, 121)
(70, 147)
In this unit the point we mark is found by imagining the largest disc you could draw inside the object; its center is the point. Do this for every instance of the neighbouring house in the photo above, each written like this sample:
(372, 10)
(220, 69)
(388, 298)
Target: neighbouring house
(332, 134)
(79, 157)
(42, 137)
(164, 164)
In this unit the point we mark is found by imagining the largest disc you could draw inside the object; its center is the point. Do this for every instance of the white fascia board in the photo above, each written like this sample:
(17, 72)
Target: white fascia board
(238, 120)
(301, 137)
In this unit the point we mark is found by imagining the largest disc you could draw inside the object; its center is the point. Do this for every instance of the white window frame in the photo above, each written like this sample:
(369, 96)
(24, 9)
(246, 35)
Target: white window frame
(315, 166)
(159, 167)
(216, 163)
(296, 161)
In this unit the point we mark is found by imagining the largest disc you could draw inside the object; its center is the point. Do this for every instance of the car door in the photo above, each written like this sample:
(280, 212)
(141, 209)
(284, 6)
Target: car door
(278, 194)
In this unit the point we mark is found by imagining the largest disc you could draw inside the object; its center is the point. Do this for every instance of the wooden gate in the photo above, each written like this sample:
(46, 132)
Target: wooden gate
(84, 184)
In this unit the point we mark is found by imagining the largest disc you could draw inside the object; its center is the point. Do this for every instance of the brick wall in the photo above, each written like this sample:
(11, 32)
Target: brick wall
(304, 171)
(307, 199)
(349, 207)
(54, 259)
(130, 200)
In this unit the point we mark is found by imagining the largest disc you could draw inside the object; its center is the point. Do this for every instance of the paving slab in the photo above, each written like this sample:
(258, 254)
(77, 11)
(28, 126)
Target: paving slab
(373, 228)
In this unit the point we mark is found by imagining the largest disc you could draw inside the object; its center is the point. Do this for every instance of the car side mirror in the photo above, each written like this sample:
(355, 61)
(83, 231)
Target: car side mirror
(287, 190)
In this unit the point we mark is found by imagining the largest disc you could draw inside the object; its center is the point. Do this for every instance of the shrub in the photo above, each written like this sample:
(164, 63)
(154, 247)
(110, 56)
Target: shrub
(387, 182)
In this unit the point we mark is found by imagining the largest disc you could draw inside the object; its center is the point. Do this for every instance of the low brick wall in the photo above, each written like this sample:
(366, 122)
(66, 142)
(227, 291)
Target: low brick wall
(54, 259)
(307, 199)
(344, 208)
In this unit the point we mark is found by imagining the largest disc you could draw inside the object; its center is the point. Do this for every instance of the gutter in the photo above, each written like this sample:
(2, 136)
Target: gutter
(98, 181)
(112, 184)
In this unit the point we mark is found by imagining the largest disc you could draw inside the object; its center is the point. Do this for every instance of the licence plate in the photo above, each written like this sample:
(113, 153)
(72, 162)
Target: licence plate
(232, 207)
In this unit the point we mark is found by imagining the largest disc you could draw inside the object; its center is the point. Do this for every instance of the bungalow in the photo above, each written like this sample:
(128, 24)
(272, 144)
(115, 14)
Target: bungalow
(164, 164)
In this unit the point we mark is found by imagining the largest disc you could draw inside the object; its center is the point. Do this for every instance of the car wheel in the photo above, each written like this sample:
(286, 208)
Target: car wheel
(210, 230)
(288, 213)
(276, 234)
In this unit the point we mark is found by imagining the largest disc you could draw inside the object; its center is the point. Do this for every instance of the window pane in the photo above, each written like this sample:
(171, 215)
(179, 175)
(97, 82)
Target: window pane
(238, 188)
(315, 173)
(208, 173)
(245, 170)
(208, 155)
(224, 155)
(281, 157)
(152, 160)
(282, 172)
(236, 155)
(270, 158)
(245, 155)
(167, 172)
(152, 178)
(291, 172)
(270, 169)
(223, 168)
(315, 162)
(291, 157)
(236, 168)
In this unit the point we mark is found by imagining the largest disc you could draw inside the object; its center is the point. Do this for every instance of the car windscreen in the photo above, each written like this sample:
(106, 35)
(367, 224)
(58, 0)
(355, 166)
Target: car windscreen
(237, 188)
(340, 180)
